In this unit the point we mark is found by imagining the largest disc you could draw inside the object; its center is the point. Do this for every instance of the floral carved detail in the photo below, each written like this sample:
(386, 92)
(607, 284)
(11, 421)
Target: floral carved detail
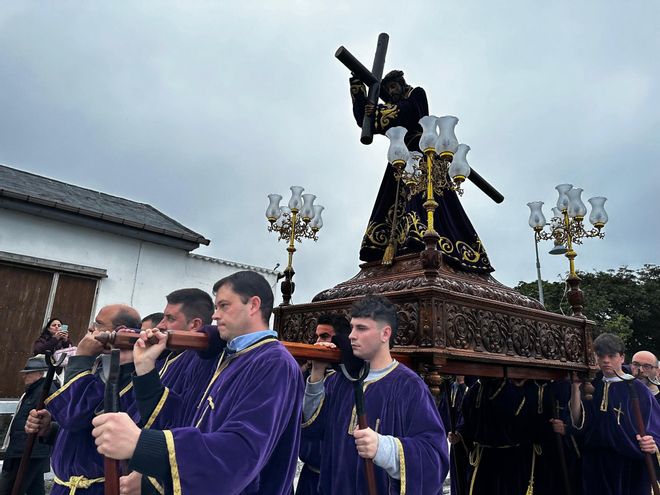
(549, 342)
(461, 327)
(439, 333)
(425, 323)
(494, 331)
(573, 343)
(408, 323)
(524, 337)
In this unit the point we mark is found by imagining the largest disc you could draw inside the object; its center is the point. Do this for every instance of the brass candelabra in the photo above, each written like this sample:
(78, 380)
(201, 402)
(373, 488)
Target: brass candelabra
(567, 229)
(301, 219)
(440, 166)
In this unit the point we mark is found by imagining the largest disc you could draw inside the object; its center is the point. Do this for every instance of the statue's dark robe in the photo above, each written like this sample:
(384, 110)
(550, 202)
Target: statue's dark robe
(398, 404)
(459, 242)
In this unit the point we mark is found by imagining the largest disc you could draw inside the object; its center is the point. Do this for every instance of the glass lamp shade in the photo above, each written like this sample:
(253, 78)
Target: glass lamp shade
(556, 213)
(576, 208)
(307, 211)
(295, 203)
(273, 211)
(398, 153)
(317, 221)
(562, 201)
(285, 213)
(598, 216)
(429, 133)
(557, 219)
(446, 143)
(412, 162)
(459, 168)
(536, 218)
(558, 248)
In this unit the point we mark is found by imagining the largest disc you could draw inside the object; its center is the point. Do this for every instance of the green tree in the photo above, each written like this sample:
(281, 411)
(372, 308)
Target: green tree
(622, 301)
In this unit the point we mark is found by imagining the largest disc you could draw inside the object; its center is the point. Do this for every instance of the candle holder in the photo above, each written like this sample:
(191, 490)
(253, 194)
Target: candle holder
(301, 219)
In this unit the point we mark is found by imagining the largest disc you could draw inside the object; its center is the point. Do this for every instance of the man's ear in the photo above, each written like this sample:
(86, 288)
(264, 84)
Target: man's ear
(196, 324)
(255, 305)
(387, 333)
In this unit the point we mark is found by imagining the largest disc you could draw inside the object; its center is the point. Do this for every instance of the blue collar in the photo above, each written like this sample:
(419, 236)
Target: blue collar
(241, 342)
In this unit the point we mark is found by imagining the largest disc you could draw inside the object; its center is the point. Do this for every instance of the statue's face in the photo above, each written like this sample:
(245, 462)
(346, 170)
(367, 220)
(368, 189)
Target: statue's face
(394, 90)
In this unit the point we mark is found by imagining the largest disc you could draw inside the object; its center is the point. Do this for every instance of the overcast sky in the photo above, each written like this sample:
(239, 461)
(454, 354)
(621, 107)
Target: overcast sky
(203, 108)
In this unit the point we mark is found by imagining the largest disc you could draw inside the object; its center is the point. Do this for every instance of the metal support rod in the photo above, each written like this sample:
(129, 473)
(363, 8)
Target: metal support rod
(538, 270)
(292, 248)
(430, 203)
(569, 244)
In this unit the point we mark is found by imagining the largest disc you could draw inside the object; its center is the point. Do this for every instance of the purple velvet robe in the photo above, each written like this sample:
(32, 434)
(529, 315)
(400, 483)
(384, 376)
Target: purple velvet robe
(185, 376)
(398, 404)
(73, 407)
(245, 437)
(612, 461)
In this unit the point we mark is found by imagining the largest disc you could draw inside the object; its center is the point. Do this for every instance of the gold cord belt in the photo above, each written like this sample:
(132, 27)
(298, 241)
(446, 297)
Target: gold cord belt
(76, 482)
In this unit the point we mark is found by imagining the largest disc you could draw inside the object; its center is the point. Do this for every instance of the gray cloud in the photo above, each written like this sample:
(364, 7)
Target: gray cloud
(203, 108)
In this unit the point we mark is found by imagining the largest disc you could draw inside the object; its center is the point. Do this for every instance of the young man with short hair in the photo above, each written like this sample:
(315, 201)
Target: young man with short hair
(405, 438)
(612, 449)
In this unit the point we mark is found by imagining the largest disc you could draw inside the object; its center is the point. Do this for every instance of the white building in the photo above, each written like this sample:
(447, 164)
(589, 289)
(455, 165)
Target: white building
(66, 251)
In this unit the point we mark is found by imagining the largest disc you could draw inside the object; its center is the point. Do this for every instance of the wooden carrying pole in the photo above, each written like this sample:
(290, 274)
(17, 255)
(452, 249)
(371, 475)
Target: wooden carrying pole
(111, 468)
(198, 341)
(641, 431)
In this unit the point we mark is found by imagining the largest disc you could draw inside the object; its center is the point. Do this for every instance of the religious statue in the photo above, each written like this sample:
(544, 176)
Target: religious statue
(398, 219)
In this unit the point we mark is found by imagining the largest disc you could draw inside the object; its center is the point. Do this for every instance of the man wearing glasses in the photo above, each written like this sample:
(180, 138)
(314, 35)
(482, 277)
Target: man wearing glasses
(645, 367)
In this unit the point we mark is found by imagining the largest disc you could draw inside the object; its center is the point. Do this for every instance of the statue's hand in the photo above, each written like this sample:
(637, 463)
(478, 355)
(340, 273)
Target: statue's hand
(369, 109)
(357, 86)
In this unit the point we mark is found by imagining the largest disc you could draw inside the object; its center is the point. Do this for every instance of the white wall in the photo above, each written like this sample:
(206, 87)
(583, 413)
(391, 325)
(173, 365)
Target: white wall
(139, 273)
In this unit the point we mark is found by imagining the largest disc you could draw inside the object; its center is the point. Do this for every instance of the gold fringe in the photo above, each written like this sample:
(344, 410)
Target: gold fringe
(536, 450)
(388, 257)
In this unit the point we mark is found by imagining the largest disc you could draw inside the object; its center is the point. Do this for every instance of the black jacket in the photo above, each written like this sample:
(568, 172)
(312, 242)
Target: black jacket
(17, 431)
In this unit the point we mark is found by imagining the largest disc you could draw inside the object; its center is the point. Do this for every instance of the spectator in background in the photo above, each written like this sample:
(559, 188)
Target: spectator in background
(152, 320)
(645, 367)
(52, 338)
(33, 482)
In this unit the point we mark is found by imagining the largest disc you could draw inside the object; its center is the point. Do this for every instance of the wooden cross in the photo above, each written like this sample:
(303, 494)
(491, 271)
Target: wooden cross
(371, 79)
